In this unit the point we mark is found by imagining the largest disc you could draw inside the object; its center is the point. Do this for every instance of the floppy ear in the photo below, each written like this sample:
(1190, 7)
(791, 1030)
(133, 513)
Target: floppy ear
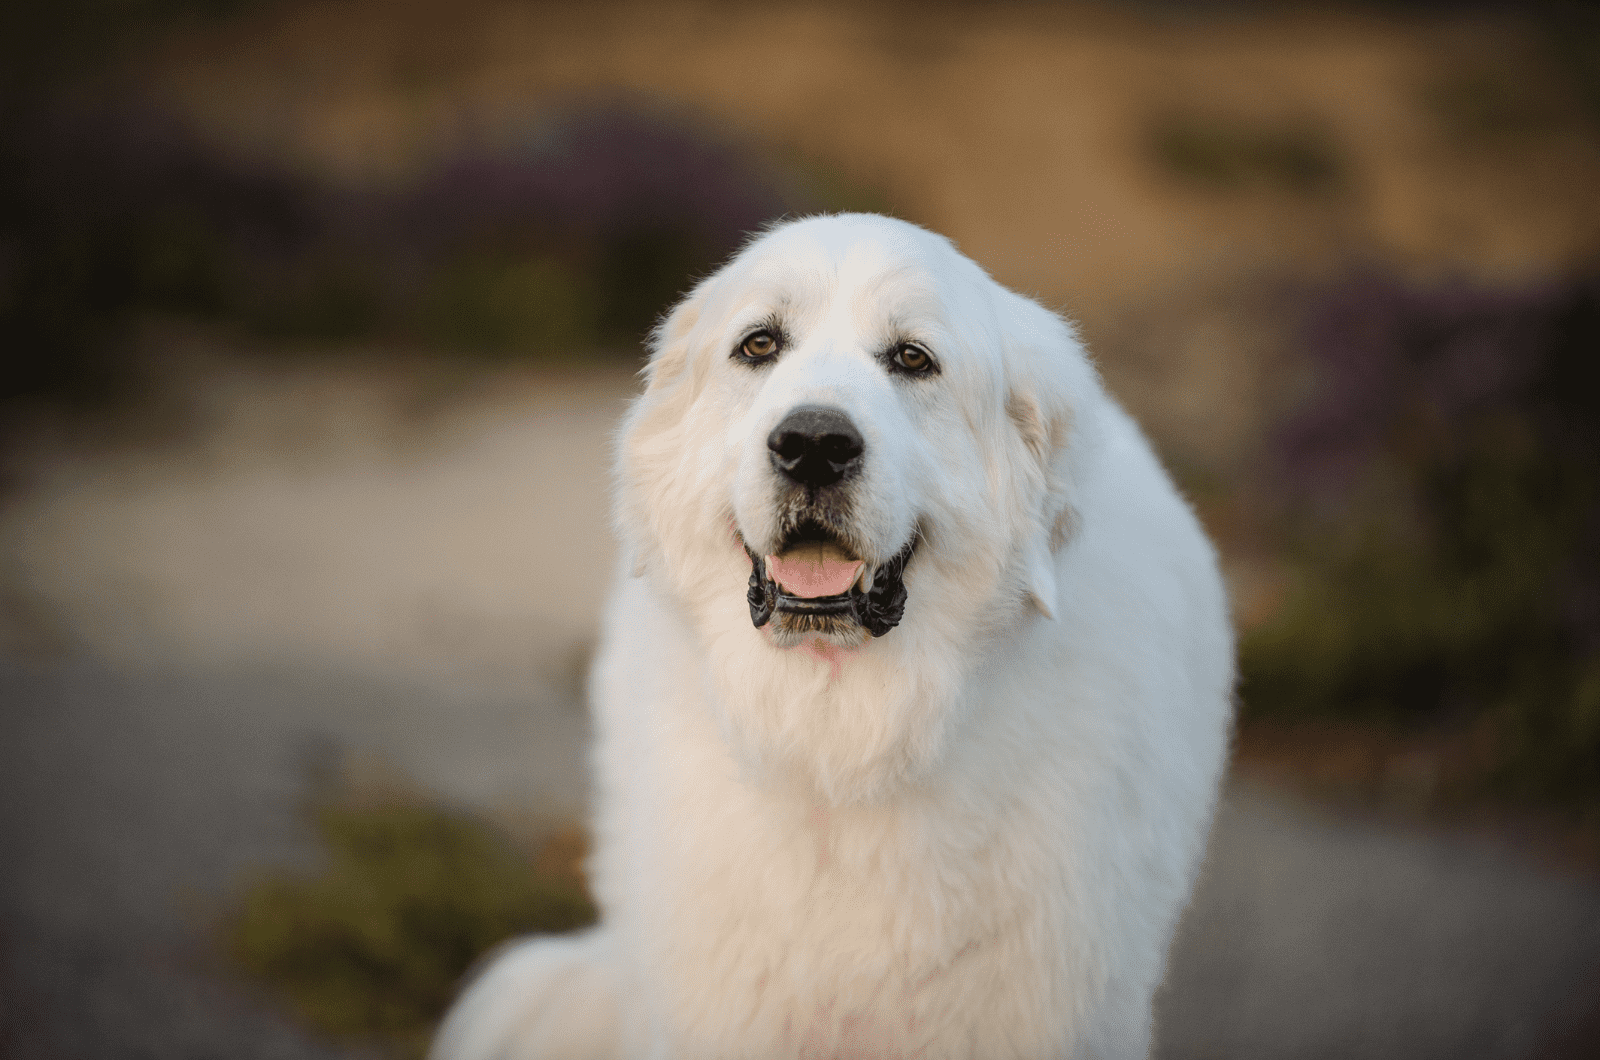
(1040, 574)
(669, 340)
(645, 447)
(1042, 438)
(1050, 402)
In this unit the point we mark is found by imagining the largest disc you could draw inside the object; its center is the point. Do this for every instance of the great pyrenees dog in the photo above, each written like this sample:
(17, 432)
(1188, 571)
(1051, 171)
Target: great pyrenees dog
(913, 694)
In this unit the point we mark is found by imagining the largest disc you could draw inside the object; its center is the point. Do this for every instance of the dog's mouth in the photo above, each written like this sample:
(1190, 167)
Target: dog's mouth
(815, 578)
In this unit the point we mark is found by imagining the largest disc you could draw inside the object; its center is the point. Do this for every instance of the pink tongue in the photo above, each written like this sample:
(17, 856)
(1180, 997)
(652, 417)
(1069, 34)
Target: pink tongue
(808, 574)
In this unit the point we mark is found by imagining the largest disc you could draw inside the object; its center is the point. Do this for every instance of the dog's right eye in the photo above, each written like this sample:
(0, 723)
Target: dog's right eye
(761, 346)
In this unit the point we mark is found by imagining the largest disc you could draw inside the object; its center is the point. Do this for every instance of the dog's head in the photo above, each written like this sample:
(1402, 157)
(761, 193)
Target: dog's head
(852, 466)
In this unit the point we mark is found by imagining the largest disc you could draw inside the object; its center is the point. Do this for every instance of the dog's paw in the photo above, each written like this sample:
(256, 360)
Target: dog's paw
(540, 999)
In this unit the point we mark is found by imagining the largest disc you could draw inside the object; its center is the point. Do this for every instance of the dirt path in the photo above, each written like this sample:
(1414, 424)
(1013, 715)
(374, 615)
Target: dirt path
(341, 561)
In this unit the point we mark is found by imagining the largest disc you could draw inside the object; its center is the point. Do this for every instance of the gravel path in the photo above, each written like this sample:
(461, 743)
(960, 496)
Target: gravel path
(185, 630)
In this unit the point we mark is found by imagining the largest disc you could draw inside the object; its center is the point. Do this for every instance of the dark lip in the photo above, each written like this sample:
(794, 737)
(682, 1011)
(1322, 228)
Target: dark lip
(877, 612)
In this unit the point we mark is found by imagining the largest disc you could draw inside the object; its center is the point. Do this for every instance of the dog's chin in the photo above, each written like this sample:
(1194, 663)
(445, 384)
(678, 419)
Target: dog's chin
(814, 587)
(790, 629)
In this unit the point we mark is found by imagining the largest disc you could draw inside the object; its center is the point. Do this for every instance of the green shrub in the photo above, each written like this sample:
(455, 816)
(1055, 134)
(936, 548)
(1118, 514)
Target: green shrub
(1444, 521)
(375, 946)
(1235, 155)
(491, 304)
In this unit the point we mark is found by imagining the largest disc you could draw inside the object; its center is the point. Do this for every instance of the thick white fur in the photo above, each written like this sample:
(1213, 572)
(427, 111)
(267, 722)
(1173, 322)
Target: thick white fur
(969, 838)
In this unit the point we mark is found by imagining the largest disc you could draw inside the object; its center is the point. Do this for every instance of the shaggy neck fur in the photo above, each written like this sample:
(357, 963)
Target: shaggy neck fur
(863, 724)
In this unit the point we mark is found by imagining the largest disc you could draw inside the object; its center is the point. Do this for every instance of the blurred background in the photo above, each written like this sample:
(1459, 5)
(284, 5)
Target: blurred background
(316, 317)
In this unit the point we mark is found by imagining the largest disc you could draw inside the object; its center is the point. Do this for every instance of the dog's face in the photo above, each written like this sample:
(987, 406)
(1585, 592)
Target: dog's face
(851, 468)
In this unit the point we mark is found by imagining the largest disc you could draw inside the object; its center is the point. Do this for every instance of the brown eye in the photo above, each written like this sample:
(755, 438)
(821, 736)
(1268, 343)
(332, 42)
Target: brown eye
(760, 346)
(912, 358)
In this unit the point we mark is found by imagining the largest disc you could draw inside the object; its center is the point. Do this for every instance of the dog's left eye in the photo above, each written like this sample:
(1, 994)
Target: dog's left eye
(761, 346)
(912, 358)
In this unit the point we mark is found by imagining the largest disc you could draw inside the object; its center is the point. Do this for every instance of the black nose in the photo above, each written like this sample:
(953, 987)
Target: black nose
(815, 446)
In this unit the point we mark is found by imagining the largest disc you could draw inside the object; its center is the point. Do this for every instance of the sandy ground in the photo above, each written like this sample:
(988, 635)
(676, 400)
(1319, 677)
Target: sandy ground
(334, 560)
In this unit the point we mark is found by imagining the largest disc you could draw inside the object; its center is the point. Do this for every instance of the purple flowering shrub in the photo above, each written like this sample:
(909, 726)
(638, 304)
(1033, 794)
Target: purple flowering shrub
(571, 238)
(1440, 493)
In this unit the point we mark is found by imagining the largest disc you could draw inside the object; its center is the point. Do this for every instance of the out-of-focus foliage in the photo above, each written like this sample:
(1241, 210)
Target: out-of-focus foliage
(573, 239)
(1232, 155)
(47, 41)
(1573, 32)
(1442, 492)
(375, 947)
(107, 214)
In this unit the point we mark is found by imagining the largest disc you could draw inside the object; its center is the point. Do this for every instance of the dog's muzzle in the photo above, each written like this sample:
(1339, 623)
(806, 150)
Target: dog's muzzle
(877, 611)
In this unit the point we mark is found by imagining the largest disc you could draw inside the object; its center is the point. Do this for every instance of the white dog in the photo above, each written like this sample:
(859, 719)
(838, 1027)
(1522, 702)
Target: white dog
(913, 695)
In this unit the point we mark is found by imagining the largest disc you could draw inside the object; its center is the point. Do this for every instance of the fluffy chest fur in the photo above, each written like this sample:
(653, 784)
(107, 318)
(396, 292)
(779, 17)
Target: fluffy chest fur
(912, 928)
